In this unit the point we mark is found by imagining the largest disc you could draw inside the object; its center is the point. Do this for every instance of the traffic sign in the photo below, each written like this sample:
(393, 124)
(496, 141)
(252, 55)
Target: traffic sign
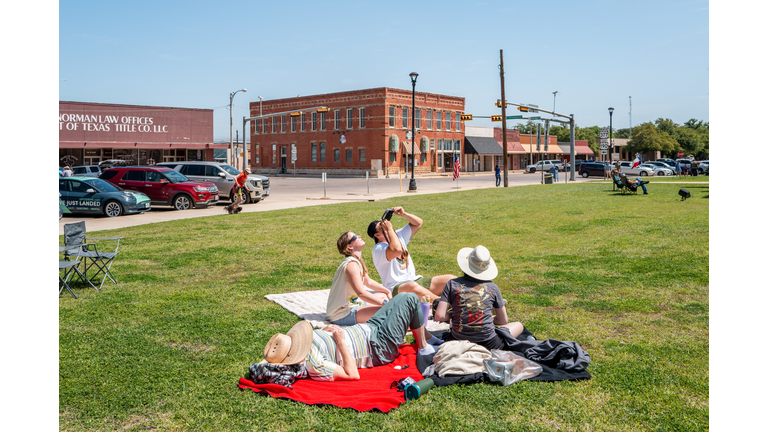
(514, 117)
(680, 154)
(535, 118)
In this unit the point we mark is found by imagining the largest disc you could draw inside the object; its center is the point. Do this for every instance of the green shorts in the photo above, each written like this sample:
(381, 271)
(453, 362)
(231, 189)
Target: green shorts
(419, 278)
(389, 325)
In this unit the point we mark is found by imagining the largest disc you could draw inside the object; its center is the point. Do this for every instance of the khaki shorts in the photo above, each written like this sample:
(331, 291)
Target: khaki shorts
(422, 281)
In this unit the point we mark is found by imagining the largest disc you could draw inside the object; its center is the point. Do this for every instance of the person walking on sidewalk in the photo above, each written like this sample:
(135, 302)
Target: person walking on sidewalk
(237, 190)
(498, 175)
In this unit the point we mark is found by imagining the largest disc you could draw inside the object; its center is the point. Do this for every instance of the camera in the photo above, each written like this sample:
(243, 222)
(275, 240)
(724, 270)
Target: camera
(388, 214)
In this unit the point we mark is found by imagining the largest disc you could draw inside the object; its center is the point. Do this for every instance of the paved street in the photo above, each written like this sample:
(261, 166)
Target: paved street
(291, 192)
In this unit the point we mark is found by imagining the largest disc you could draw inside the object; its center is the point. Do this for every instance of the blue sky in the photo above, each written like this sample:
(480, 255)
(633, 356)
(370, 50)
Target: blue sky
(193, 54)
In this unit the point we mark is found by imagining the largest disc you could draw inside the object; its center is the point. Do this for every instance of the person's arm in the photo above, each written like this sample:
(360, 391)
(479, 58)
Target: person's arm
(501, 316)
(349, 370)
(372, 284)
(352, 273)
(414, 221)
(441, 313)
(394, 248)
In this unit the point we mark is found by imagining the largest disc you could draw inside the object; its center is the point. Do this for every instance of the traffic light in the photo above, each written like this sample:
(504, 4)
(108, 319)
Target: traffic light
(466, 117)
(498, 103)
(495, 118)
(323, 109)
(523, 109)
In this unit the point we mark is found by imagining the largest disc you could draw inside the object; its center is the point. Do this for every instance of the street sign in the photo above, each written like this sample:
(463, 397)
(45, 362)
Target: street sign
(680, 154)
(604, 152)
(535, 118)
(604, 132)
(514, 117)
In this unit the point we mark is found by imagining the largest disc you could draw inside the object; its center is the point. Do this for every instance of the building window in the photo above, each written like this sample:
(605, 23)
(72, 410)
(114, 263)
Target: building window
(391, 116)
(458, 122)
(440, 160)
(303, 122)
(274, 155)
(314, 121)
(432, 144)
(322, 152)
(439, 117)
(293, 124)
(257, 125)
(362, 117)
(336, 155)
(265, 126)
(314, 152)
(361, 154)
(274, 124)
(417, 119)
(349, 118)
(322, 121)
(423, 158)
(405, 118)
(457, 145)
(258, 155)
(429, 120)
(448, 121)
(392, 158)
(336, 119)
(282, 124)
(349, 155)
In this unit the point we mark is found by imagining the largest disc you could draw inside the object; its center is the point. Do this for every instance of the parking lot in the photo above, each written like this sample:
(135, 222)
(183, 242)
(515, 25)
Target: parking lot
(290, 192)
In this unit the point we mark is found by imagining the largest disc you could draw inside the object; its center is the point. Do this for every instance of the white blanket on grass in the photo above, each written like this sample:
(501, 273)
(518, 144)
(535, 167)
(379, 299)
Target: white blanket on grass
(310, 306)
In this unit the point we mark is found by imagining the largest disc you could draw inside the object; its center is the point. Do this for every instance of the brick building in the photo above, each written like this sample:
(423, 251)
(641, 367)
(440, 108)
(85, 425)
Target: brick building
(362, 130)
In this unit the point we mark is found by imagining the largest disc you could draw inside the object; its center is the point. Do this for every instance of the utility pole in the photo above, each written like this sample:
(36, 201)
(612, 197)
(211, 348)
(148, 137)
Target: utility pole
(503, 121)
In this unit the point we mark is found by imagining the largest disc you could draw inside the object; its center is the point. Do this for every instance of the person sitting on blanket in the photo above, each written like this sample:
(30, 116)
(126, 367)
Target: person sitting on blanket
(473, 299)
(336, 353)
(352, 281)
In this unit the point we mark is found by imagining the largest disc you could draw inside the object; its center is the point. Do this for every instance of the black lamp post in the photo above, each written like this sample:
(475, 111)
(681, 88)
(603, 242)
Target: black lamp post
(610, 133)
(412, 184)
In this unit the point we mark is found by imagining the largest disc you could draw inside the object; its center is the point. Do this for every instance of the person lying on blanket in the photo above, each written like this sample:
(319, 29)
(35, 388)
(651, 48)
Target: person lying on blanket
(352, 281)
(473, 299)
(336, 353)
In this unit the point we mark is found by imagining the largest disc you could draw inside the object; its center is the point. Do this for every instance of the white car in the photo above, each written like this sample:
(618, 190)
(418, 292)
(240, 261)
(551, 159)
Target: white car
(658, 170)
(545, 165)
(637, 171)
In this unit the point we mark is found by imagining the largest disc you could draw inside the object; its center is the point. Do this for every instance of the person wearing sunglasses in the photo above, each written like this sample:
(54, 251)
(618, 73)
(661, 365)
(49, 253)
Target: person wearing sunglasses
(354, 296)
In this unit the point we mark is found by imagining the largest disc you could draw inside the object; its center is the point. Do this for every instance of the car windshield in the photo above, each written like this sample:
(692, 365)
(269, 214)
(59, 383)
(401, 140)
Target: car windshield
(230, 169)
(175, 176)
(103, 186)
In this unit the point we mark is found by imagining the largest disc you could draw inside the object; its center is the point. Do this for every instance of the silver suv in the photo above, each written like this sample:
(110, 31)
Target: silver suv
(223, 176)
(86, 171)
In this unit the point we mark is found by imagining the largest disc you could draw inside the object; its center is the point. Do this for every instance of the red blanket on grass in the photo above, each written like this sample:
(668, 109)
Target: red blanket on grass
(368, 393)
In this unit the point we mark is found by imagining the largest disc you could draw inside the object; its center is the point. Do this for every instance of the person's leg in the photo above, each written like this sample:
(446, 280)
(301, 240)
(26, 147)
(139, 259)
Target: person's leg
(438, 283)
(364, 313)
(642, 184)
(515, 328)
(391, 322)
(413, 287)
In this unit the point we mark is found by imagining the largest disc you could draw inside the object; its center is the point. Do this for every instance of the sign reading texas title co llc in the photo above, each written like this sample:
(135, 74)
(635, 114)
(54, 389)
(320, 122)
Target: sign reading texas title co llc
(90, 124)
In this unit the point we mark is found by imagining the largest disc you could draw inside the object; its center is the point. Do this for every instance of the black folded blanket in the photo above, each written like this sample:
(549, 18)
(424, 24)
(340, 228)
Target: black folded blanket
(559, 360)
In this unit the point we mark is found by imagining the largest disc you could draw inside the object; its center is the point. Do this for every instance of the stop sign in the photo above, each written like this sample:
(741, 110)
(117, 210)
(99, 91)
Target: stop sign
(679, 154)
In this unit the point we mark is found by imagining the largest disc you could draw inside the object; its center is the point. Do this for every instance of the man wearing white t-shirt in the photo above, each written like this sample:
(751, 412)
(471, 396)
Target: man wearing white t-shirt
(394, 262)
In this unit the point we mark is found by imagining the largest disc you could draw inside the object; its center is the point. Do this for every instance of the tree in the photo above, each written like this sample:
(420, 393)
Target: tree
(666, 125)
(689, 139)
(648, 137)
(621, 133)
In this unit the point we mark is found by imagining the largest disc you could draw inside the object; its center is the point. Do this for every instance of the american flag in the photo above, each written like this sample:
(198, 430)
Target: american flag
(456, 167)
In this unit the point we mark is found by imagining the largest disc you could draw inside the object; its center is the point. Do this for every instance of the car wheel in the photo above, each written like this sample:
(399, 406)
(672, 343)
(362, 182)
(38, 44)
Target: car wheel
(113, 209)
(585, 174)
(532, 170)
(643, 174)
(661, 173)
(247, 197)
(182, 202)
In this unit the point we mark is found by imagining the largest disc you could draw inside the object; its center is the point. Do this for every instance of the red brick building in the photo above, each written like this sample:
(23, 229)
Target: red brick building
(362, 130)
(92, 132)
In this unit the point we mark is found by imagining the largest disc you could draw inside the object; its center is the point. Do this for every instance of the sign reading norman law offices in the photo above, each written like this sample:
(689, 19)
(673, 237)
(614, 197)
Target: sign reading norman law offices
(93, 124)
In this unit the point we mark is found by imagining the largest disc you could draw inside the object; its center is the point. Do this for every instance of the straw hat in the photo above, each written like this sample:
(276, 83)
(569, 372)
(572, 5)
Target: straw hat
(477, 263)
(290, 348)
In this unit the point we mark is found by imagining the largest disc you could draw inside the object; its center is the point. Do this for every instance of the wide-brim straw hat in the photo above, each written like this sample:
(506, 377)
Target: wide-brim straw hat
(290, 348)
(477, 263)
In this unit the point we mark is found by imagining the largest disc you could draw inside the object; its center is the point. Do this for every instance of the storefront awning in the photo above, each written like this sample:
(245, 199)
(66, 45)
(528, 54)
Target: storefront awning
(482, 145)
(128, 145)
(407, 148)
(514, 147)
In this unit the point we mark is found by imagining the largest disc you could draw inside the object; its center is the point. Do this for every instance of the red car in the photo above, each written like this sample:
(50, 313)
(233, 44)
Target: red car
(163, 186)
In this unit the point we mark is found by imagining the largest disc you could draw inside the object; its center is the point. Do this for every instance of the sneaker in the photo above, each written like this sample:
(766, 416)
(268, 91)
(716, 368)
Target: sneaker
(645, 193)
(238, 210)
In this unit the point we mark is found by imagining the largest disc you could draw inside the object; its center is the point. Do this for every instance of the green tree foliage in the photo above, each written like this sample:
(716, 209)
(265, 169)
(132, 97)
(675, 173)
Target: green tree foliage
(621, 133)
(648, 137)
(690, 140)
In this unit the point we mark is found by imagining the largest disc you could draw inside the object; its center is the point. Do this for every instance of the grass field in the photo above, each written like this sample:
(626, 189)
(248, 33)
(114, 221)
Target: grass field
(625, 276)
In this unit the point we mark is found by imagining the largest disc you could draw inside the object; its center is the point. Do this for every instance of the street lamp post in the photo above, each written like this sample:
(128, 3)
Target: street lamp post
(554, 104)
(610, 133)
(412, 184)
(231, 146)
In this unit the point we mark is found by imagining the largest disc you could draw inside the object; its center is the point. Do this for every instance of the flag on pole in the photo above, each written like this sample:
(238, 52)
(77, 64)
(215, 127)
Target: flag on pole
(456, 167)
(636, 162)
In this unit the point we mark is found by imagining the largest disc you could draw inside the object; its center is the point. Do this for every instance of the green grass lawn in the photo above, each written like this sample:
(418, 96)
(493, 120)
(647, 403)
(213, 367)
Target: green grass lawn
(625, 276)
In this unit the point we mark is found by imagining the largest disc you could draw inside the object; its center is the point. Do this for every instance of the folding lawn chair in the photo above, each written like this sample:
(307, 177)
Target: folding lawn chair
(76, 244)
(628, 186)
(70, 267)
(619, 185)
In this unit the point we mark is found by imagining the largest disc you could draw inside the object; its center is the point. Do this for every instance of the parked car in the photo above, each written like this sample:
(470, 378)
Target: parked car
(638, 171)
(163, 186)
(90, 195)
(596, 169)
(223, 176)
(662, 165)
(704, 167)
(86, 171)
(658, 170)
(670, 162)
(545, 165)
